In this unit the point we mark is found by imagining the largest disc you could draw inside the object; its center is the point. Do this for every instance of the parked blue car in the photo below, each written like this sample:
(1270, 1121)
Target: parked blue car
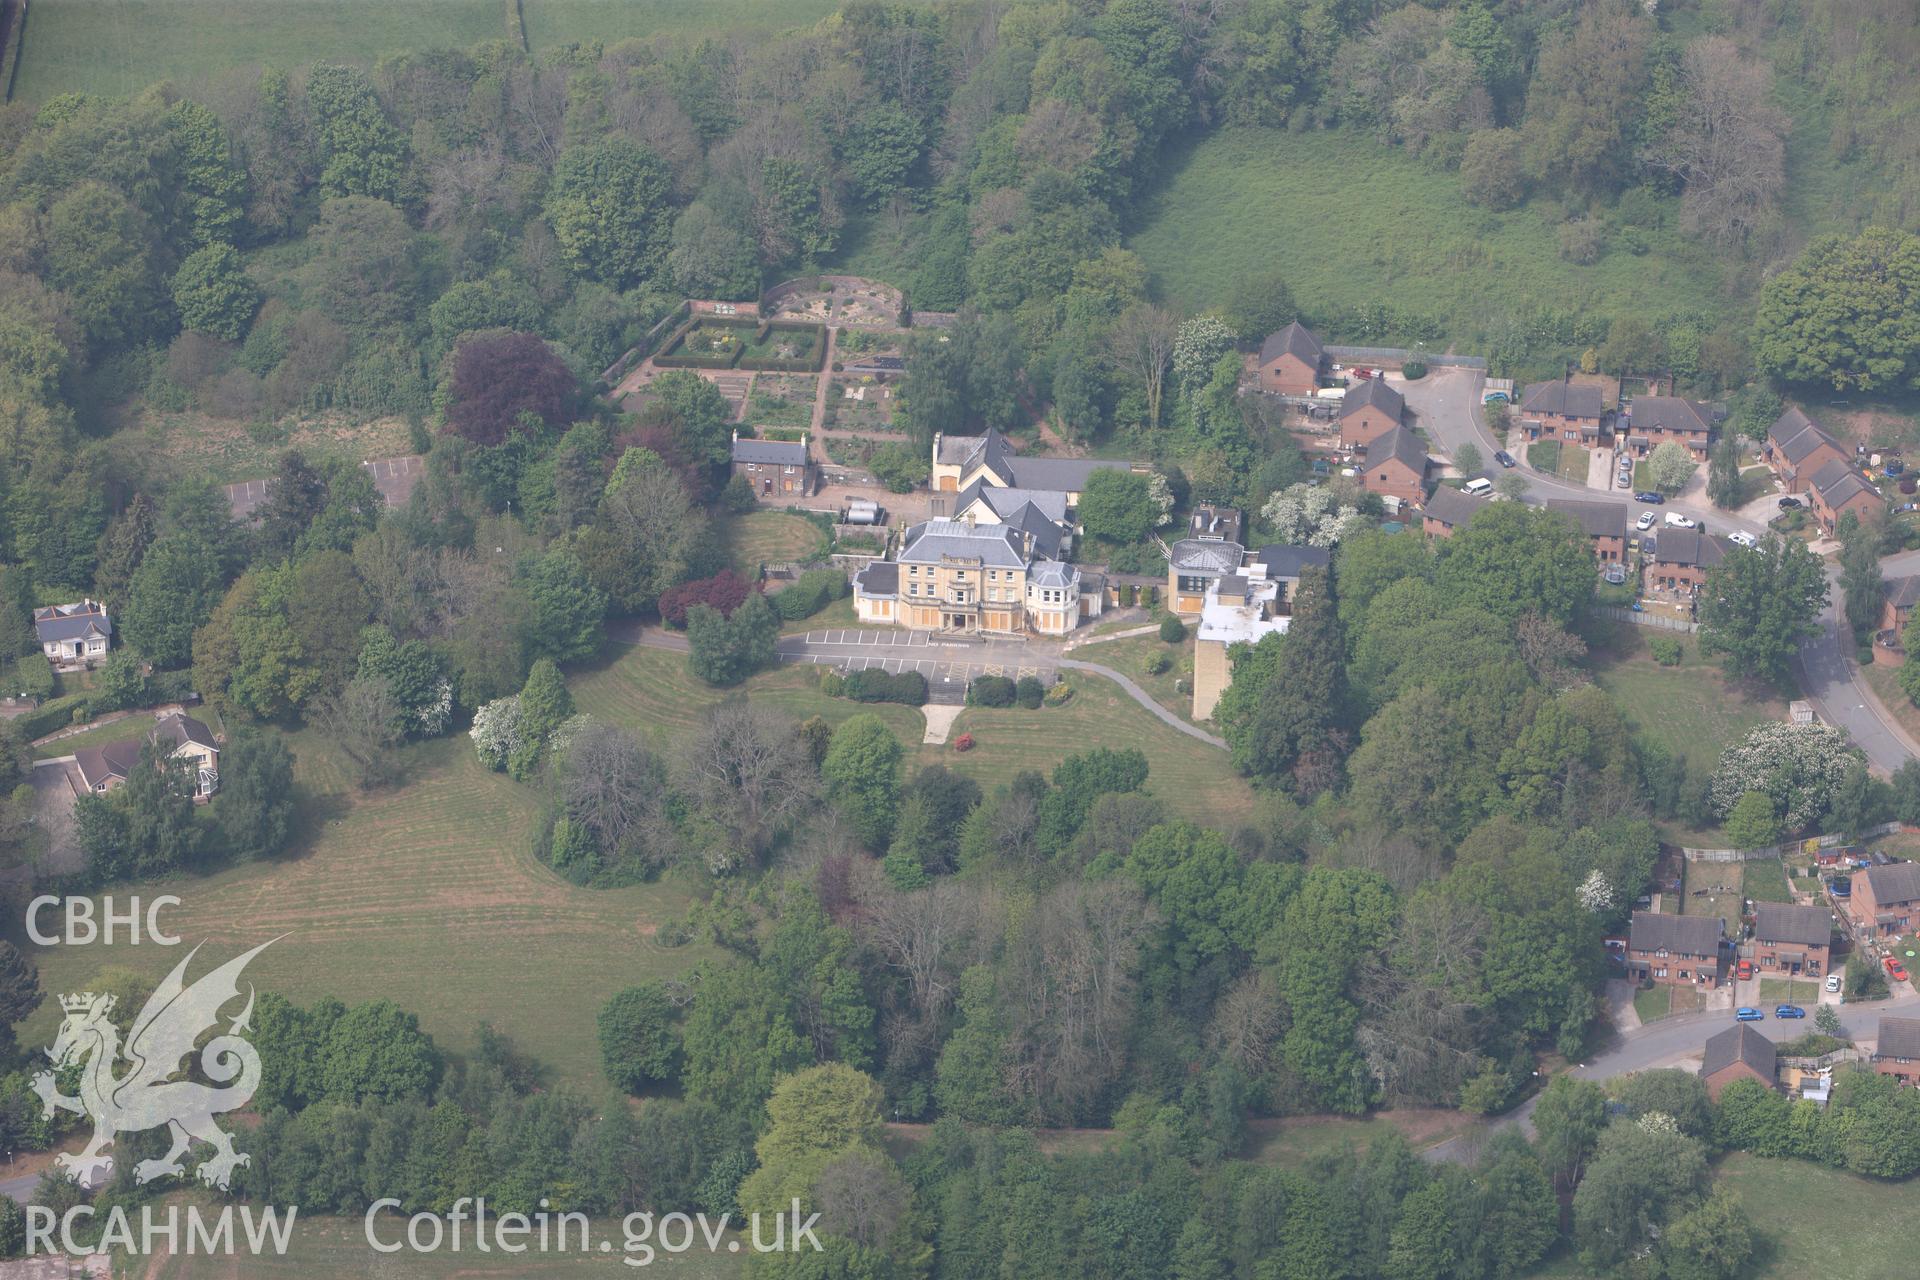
(1746, 1013)
(1789, 1011)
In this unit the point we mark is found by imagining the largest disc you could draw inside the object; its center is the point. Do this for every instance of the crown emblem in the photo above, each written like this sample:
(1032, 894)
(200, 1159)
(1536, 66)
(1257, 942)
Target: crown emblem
(82, 1001)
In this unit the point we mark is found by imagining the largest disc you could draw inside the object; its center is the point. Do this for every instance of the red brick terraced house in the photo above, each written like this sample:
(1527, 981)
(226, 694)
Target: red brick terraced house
(1896, 1052)
(1680, 560)
(1291, 361)
(1448, 509)
(1396, 467)
(1604, 523)
(1653, 420)
(1897, 610)
(1562, 411)
(1836, 489)
(1739, 1053)
(1792, 939)
(1680, 951)
(1369, 411)
(1797, 447)
(1886, 900)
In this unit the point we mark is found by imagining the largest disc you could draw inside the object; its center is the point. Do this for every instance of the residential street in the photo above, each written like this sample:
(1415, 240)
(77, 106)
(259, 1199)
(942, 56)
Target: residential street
(1447, 401)
(1669, 1041)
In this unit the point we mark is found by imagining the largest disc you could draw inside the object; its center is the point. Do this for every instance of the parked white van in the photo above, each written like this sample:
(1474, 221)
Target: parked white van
(1477, 486)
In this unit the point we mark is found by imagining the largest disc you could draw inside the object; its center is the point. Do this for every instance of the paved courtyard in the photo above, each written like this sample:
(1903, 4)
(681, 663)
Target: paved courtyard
(940, 659)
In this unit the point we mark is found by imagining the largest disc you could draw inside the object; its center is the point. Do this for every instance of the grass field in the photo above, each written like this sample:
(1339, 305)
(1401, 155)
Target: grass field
(1348, 221)
(1192, 778)
(650, 689)
(1765, 881)
(1798, 991)
(121, 46)
(1654, 1003)
(425, 894)
(1692, 708)
(1129, 657)
(771, 537)
(1885, 683)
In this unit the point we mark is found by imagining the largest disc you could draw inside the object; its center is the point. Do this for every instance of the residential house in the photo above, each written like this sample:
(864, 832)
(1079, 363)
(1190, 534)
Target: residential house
(1675, 950)
(1447, 509)
(968, 577)
(1885, 901)
(1836, 489)
(1896, 1052)
(1680, 560)
(1738, 1053)
(1193, 566)
(960, 461)
(1797, 447)
(1563, 410)
(1291, 361)
(1897, 610)
(1237, 609)
(1210, 523)
(185, 738)
(1651, 421)
(774, 467)
(74, 635)
(1283, 563)
(1369, 410)
(1396, 467)
(1604, 523)
(1791, 939)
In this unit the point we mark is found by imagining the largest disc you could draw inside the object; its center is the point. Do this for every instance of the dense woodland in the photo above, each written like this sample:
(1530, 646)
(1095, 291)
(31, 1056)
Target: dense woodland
(1451, 814)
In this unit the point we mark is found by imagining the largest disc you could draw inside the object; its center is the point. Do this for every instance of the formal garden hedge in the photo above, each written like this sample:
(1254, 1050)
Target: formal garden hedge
(745, 345)
(909, 688)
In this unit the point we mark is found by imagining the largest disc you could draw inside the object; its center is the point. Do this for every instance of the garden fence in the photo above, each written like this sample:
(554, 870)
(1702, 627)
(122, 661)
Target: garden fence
(1807, 845)
(1400, 355)
(1659, 620)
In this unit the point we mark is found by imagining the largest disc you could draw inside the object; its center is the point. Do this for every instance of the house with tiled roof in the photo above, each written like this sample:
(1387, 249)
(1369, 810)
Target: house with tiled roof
(1675, 950)
(1738, 1053)
(1896, 1050)
(1797, 447)
(1604, 523)
(1679, 560)
(1651, 421)
(1448, 509)
(1368, 411)
(774, 467)
(962, 461)
(1396, 467)
(183, 738)
(1885, 901)
(1792, 939)
(73, 635)
(1563, 410)
(971, 577)
(1836, 489)
(1291, 361)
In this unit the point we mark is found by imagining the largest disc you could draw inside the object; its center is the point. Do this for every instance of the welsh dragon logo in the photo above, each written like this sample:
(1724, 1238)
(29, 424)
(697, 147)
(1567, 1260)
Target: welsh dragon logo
(147, 1096)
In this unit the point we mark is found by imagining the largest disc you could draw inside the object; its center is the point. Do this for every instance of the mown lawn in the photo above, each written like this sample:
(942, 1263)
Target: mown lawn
(1765, 881)
(651, 690)
(1348, 221)
(1813, 1220)
(1130, 657)
(425, 894)
(771, 537)
(1693, 708)
(1192, 777)
(1653, 1003)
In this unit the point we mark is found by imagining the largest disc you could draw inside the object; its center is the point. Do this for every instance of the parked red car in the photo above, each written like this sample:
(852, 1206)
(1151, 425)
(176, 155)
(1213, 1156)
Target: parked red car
(1744, 970)
(1361, 373)
(1895, 970)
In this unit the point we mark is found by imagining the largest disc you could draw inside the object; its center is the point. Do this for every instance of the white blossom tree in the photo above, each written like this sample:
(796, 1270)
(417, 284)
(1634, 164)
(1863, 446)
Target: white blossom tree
(499, 731)
(1799, 765)
(1310, 515)
(1160, 493)
(1197, 348)
(1596, 891)
(1671, 466)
